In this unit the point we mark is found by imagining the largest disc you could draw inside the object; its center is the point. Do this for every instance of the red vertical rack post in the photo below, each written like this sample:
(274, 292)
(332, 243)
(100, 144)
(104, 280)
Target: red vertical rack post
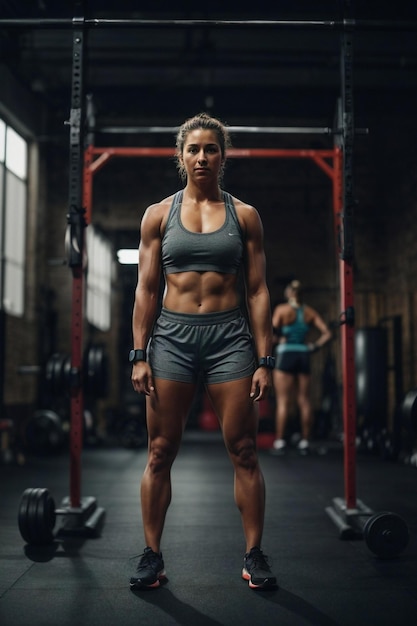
(347, 343)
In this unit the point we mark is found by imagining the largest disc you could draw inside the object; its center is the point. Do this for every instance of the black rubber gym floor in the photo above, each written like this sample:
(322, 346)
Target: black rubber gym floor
(323, 580)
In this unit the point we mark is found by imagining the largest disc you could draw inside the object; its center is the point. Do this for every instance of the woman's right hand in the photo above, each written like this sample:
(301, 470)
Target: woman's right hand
(142, 378)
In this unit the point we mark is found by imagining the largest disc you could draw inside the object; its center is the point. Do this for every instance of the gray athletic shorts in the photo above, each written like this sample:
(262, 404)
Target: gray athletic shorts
(216, 346)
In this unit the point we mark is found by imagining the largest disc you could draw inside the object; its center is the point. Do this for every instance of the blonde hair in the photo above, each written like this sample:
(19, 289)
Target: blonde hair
(295, 287)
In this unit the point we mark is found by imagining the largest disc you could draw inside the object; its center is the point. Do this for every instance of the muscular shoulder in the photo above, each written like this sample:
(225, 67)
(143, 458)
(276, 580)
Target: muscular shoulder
(283, 314)
(311, 316)
(243, 208)
(155, 215)
(247, 214)
(159, 209)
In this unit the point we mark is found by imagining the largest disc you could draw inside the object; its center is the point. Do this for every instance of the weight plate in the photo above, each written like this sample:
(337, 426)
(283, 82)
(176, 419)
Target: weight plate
(44, 432)
(45, 517)
(386, 534)
(27, 515)
(59, 376)
(23, 516)
(89, 371)
(67, 374)
(50, 373)
(37, 516)
(56, 374)
(95, 371)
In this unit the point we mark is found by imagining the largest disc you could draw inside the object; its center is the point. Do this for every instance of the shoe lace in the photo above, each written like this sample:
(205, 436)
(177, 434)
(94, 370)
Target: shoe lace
(145, 559)
(259, 559)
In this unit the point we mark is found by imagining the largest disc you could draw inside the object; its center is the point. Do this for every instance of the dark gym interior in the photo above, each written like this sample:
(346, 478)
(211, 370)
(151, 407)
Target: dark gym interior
(91, 96)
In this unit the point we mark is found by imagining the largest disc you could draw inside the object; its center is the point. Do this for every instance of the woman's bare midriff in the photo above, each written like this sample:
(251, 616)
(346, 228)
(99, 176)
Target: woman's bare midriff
(200, 292)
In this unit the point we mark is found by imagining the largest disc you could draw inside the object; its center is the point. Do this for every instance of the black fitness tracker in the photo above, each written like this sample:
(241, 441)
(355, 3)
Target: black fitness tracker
(137, 355)
(267, 361)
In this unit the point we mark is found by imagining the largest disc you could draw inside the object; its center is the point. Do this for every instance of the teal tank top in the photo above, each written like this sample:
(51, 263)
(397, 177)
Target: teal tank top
(185, 251)
(295, 334)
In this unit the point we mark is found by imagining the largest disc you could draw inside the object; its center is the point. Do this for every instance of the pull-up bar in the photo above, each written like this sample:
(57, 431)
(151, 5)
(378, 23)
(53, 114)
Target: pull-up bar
(332, 25)
(258, 130)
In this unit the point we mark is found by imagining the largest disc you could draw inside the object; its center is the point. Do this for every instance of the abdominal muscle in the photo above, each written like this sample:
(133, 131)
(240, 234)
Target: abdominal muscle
(200, 292)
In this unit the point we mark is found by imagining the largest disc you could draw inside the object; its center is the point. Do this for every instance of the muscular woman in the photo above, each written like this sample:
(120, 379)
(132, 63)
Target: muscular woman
(200, 239)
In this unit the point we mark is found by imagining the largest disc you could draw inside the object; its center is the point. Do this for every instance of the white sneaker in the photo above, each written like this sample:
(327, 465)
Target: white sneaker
(303, 447)
(279, 446)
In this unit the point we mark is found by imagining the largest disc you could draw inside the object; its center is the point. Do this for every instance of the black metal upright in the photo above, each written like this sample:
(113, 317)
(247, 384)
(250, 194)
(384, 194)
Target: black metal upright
(75, 252)
(81, 514)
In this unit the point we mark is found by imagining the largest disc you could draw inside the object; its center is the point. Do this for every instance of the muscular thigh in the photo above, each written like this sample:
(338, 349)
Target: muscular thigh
(167, 409)
(237, 412)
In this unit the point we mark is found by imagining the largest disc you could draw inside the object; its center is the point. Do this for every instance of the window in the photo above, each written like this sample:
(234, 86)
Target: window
(99, 274)
(13, 207)
(16, 154)
(2, 140)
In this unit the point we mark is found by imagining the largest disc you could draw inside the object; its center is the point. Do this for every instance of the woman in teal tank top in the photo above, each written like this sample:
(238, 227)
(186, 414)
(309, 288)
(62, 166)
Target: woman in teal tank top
(292, 323)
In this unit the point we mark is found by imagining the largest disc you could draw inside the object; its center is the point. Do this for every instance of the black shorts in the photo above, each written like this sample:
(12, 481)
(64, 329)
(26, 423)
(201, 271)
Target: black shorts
(293, 362)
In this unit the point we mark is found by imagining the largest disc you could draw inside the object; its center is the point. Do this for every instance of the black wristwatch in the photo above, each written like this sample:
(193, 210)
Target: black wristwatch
(267, 361)
(137, 355)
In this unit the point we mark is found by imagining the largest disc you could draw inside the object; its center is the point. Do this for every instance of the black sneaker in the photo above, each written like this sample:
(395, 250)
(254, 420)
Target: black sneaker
(149, 572)
(256, 570)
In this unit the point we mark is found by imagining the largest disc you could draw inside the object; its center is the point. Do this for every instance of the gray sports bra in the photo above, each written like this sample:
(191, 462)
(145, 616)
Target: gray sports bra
(186, 251)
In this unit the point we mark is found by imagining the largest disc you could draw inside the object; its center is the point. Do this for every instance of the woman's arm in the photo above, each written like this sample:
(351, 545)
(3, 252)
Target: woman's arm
(146, 293)
(257, 297)
(317, 321)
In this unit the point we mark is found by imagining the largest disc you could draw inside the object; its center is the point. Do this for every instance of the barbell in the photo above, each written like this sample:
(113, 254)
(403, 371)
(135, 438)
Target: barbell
(59, 375)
